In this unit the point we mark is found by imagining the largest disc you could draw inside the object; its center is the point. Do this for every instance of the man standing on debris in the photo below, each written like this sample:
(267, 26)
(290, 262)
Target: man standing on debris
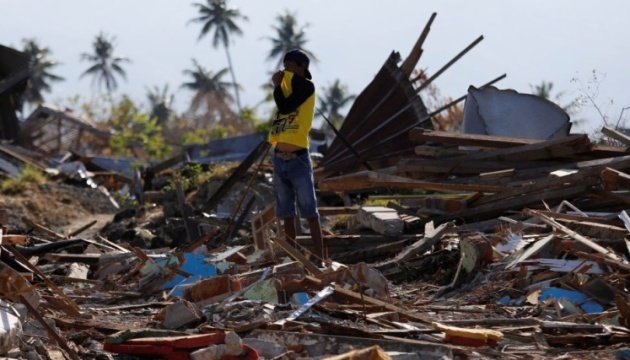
(294, 94)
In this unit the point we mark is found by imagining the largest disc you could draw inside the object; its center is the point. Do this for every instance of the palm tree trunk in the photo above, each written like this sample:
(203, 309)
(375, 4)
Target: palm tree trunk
(238, 99)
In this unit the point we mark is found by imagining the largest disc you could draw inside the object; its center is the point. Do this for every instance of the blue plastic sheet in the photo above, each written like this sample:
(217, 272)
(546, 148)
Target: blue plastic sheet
(195, 265)
(582, 300)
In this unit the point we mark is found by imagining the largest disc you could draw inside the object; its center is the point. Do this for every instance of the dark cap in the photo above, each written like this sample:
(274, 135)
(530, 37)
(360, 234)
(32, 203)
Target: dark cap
(299, 57)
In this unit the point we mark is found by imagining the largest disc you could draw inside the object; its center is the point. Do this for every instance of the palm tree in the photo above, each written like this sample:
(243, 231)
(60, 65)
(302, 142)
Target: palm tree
(40, 77)
(289, 36)
(544, 91)
(212, 96)
(105, 66)
(209, 88)
(216, 15)
(335, 97)
(160, 102)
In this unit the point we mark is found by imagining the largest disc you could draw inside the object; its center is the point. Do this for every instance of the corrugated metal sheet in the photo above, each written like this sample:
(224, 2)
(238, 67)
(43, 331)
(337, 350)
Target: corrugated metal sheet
(235, 148)
(490, 111)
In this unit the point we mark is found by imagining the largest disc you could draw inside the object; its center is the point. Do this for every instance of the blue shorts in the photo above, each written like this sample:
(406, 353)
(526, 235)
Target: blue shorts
(293, 180)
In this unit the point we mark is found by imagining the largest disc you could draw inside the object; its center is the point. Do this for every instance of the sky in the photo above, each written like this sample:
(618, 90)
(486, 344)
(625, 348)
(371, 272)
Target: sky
(581, 46)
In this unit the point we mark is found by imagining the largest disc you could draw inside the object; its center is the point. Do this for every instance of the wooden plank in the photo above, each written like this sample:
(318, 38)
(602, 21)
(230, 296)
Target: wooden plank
(439, 151)
(591, 219)
(295, 254)
(238, 173)
(371, 179)
(589, 167)
(421, 135)
(614, 134)
(13, 239)
(70, 307)
(53, 333)
(364, 299)
(361, 299)
(356, 240)
(42, 228)
(82, 229)
(369, 253)
(609, 254)
(607, 233)
(600, 258)
(537, 186)
(544, 150)
(615, 179)
(337, 210)
(455, 166)
(503, 159)
(319, 346)
(192, 233)
(260, 223)
(431, 236)
(517, 203)
(490, 322)
(90, 259)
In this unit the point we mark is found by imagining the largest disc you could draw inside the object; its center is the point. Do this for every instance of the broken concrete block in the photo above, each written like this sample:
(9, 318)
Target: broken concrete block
(232, 348)
(266, 349)
(381, 219)
(180, 314)
(78, 271)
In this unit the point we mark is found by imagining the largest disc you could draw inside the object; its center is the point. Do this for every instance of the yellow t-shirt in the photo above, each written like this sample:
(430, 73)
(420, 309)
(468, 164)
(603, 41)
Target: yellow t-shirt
(293, 127)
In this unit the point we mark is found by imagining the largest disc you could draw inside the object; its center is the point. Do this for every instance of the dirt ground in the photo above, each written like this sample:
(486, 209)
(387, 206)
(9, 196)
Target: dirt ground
(57, 206)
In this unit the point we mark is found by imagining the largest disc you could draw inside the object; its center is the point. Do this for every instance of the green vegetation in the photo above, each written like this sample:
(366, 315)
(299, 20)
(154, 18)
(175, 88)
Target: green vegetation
(28, 177)
(215, 111)
(136, 130)
(193, 175)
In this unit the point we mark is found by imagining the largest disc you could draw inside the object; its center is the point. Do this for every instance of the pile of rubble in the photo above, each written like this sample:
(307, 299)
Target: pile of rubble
(481, 264)
(438, 245)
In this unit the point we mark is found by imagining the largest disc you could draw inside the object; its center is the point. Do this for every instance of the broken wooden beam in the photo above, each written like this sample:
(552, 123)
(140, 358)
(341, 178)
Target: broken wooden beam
(431, 236)
(371, 179)
(70, 307)
(615, 179)
(238, 173)
(617, 135)
(607, 253)
(421, 135)
(297, 255)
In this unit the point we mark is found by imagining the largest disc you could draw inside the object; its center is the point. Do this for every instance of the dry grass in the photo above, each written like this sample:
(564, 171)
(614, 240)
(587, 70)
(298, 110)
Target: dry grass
(28, 178)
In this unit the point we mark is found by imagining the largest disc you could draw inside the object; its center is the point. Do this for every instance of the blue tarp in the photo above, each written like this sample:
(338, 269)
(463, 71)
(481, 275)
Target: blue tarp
(584, 302)
(194, 264)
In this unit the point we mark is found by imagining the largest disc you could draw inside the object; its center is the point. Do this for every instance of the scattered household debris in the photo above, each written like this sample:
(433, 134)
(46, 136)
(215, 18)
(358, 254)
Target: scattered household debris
(473, 245)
